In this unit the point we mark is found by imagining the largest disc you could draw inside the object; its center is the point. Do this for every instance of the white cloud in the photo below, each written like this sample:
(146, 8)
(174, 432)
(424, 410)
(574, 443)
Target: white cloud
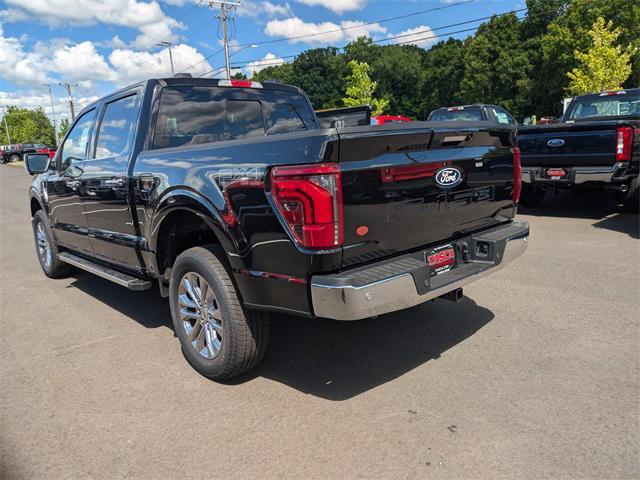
(320, 33)
(35, 99)
(147, 17)
(131, 66)
(421, 36)
(259, 10)
(81, 63)
(337, 6)
(269, 60)
(18, 65)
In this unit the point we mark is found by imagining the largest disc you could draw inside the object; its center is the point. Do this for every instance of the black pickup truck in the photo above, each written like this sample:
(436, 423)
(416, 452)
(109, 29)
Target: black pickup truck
(228, 195)
(597, 145)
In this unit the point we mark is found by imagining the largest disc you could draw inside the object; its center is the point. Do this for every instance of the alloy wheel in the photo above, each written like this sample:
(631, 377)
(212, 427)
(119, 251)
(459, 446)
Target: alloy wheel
(200, 315)
(44, 248)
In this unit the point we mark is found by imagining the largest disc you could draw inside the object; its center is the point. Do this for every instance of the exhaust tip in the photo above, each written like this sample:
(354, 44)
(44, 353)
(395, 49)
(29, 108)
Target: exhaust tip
(454, 295)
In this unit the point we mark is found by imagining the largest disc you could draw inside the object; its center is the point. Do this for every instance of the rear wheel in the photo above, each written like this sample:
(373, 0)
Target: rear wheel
(631, 200)
(219, 338)
(14, 158)
(531, 196)
(47, 250)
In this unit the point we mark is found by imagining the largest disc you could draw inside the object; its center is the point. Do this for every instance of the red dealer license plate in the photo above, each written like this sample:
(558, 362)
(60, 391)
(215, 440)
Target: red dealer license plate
(556, 173)
(441, 259)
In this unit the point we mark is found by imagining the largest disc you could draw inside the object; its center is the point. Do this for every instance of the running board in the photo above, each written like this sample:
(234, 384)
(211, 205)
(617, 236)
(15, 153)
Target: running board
(122, 279)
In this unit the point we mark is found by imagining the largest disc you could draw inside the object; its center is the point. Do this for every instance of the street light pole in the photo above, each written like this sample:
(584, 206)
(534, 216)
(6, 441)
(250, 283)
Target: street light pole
(168, 46)
(6, 126)
(53, 112)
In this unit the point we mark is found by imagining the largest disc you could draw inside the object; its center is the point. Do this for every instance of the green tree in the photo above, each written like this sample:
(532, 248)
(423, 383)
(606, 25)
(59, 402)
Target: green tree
(320, 72)
(360, 89)
(496, 67)
(604, 66)
(570, 32)
(26, 125)
(63, 128)
(443, 69)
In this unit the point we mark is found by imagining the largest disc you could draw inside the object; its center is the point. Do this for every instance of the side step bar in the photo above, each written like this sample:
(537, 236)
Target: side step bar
(122, 279)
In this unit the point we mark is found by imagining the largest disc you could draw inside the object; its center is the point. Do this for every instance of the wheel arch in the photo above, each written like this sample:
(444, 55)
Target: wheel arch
(185, 219)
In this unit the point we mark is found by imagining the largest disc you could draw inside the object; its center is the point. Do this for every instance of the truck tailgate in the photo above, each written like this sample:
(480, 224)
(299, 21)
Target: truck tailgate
(392, 199)
(561, 145)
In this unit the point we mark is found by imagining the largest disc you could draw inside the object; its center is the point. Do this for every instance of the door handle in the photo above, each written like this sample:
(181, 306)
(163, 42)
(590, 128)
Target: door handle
(117, 182)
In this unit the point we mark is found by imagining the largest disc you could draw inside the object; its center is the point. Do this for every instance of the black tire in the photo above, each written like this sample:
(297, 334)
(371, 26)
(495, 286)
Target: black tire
(245, 333)
(53, 267)
(14, 157)
(631, 200)
(531, 196)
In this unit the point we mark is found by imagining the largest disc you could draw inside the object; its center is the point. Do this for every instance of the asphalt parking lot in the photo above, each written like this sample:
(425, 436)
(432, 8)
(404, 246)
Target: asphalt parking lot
(534, 375)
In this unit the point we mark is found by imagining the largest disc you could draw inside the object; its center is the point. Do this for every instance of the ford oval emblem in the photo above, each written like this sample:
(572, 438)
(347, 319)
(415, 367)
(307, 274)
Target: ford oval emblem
(555, 142)
(448, 177)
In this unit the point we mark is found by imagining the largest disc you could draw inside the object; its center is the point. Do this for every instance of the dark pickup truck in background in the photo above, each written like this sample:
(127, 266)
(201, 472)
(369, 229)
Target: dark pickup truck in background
(229, 196)
(597, 144)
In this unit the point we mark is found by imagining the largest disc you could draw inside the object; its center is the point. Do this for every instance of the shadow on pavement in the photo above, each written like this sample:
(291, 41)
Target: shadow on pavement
(587, 204)
(328, 359)
(339, 360)
(147, 308)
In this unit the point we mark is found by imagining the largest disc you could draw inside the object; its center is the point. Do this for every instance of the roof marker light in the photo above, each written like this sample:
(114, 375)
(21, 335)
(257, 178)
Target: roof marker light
(239, 84)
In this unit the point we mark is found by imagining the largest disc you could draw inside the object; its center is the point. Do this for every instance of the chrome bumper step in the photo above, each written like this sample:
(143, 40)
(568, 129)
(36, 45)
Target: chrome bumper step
(404, 282)
(122, 279)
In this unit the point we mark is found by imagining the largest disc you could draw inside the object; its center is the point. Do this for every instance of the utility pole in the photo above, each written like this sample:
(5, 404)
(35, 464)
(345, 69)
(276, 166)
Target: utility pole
(53, 112)
(68, 86)
(224, 16)
(6, 126)
(168, 46)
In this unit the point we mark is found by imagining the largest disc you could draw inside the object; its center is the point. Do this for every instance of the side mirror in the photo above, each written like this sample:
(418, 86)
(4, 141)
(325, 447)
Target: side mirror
(36, 162)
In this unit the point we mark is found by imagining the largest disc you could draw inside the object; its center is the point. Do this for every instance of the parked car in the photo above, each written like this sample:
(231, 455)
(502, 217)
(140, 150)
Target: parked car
(228, 195)
(596, 144)
(16, 152)
(385, 119)
(472, 113)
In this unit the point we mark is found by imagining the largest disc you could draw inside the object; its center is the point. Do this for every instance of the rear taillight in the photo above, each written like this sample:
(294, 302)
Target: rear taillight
(517, 175)
(309, 197)
(624, 141)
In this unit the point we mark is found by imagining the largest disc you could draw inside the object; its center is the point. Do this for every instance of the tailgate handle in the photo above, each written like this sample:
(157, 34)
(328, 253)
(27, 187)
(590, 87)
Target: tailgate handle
(455, 139)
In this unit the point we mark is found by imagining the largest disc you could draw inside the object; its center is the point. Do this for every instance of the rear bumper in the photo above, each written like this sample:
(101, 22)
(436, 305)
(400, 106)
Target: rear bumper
(576, 175)
(405, 281)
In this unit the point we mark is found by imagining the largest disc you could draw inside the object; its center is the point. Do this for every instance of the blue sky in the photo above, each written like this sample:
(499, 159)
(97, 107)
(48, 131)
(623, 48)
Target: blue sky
(104, 44)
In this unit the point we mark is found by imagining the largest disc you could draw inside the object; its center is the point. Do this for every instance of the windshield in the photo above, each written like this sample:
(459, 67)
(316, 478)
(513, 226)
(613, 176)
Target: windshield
(607, 105)
(456, 114)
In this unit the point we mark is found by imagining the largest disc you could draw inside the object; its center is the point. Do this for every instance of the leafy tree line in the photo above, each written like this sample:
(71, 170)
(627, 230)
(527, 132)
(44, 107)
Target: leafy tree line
(523, 65)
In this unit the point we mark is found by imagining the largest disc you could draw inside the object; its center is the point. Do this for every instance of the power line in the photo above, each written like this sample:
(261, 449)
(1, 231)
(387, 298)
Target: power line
(449, 26)
(414, 40)
(384, 20)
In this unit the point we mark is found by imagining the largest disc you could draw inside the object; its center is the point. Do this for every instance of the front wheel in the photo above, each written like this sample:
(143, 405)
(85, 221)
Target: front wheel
(47, 250)
(531, 196)
(219, 338)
